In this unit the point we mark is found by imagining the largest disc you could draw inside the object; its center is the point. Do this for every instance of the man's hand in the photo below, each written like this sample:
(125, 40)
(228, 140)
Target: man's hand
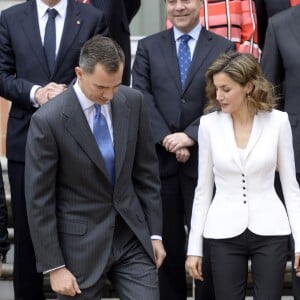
(176, 141)
(63, 282)
(44, 94)
(0, 268)
(159, 252)
(194, 266)
(182, 155)
(297, 264)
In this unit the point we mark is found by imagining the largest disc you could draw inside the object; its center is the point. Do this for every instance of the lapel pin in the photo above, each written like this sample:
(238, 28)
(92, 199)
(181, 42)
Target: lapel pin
(78, 22)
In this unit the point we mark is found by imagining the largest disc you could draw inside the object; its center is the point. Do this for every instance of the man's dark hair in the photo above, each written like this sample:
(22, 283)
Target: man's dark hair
(101, 50)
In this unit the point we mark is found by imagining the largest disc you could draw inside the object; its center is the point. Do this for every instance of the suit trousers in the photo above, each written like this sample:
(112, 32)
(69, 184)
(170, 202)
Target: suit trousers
(295, 279)
(177, 193)
(28, 284)
(129, 268)
(229, 261)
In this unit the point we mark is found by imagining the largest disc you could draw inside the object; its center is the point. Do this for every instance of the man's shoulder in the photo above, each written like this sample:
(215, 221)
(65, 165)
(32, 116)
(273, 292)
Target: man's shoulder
(17, 9)
(216, 38)
(285, 15)
(129, 92)
(156, 37)
(52, 108)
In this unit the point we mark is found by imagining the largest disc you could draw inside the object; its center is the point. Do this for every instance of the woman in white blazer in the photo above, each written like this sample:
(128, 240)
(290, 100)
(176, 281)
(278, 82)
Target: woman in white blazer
(241, 145)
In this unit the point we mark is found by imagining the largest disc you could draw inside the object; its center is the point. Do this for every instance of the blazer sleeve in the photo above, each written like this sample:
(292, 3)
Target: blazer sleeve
(141, 80)
(40, 177)
(290, 186)
(203, 192)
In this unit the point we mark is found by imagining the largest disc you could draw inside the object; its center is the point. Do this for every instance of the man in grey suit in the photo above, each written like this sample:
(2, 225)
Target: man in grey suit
(281, 65)
(175, 109)
(85, 224)
(28, 80)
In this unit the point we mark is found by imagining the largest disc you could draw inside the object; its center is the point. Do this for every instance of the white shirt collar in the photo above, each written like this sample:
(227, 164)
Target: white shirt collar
(84, 101)
(194, 33)
(61, 8)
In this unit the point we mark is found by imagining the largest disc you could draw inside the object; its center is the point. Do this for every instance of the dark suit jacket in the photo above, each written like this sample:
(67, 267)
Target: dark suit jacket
(23, 63)
(119, 14)
(264, 10)
(156, 74)
(281, 65)
(70, 202)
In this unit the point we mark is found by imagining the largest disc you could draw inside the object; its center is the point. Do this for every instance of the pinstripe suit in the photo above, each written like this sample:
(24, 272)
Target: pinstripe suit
(22, 65)
(71, 201)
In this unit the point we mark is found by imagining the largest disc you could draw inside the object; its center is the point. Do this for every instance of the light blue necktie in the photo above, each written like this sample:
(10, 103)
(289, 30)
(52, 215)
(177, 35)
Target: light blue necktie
(184, 57)
(50, 39)
(103, 139)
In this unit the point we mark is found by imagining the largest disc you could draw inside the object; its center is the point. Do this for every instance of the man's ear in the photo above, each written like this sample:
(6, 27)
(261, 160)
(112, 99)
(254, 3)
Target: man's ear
(79, 72)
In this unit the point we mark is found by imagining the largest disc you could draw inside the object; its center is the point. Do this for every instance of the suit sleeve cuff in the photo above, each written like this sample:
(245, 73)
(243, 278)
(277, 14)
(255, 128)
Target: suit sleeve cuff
(156, 237)
(48, 271)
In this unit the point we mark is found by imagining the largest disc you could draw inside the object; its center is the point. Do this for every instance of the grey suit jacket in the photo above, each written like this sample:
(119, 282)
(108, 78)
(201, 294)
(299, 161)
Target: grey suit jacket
(281, 65)
(70, 202)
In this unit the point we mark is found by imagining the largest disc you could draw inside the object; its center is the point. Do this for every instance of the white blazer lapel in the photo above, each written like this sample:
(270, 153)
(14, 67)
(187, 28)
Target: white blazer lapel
(228, 133)
(256, 132)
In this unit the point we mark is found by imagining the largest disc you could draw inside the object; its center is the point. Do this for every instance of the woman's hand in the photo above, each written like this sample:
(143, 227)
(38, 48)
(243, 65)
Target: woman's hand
(194, 266)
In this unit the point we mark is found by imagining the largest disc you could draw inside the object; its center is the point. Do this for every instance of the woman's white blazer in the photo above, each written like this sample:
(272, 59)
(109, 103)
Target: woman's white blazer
(245, 196)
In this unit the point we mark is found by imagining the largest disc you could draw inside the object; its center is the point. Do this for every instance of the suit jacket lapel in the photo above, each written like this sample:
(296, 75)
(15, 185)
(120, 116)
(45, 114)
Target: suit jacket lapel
(72, 26)
(30, 25)
(168, 48)
(77, 125)
(120, 121)
(202, 49)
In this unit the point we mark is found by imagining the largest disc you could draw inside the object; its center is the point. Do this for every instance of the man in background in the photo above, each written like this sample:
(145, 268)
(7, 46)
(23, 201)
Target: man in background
(281, 65)
(169, 70)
